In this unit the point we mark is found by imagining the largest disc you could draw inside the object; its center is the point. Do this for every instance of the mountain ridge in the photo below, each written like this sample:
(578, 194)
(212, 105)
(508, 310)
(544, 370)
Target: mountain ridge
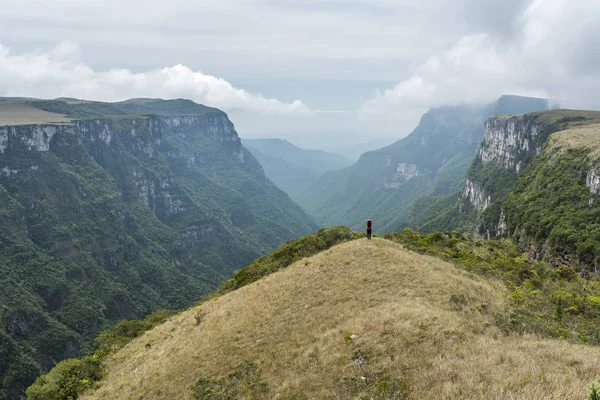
(116, 211)
(290, 167)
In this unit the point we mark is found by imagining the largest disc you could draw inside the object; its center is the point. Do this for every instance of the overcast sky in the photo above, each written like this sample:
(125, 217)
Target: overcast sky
(361, 68)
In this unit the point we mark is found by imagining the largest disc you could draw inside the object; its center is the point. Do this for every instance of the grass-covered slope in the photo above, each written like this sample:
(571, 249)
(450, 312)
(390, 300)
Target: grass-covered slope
(71, 377)
(287, 254)
(17, 111)
(365, 318)
(113, 214)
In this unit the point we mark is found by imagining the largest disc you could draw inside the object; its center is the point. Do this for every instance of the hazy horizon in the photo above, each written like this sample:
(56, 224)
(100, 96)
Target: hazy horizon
(362, 70)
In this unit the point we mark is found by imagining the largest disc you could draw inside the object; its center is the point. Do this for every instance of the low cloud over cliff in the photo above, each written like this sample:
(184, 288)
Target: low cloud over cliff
(365, 68)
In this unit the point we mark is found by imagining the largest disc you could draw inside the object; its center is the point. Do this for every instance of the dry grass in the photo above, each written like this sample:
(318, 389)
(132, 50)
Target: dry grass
(551, 116)
(398, 303)
(18, 112)
(556, 115)
(587, 136)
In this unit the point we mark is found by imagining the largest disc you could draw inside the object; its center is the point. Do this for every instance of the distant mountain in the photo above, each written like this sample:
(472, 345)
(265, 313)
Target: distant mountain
(291, 168)
(355, 151)
(110, 211)
(431, 161)
(346, 144)
(318, 161)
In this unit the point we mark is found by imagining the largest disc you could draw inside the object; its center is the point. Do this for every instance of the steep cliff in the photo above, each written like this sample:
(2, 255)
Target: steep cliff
(429, 163)
(118, 210)
(510, 145)
(554, 207)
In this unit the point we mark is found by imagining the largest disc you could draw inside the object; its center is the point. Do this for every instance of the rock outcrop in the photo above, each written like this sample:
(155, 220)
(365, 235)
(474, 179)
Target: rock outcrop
(509, 144)
(510, 140)
(592, 181)
(476, 195)
(403, 173)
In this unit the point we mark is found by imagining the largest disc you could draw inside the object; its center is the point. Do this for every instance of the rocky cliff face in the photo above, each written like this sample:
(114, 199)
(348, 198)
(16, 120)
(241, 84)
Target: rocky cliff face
(475, 194)
(144, 138)
(592, 181)
(509, 143)
(400, 173)
(553, 207)
(111, 217)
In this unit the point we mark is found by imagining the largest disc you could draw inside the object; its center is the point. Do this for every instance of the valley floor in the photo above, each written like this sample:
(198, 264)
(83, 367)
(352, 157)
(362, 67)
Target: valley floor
(360, 317)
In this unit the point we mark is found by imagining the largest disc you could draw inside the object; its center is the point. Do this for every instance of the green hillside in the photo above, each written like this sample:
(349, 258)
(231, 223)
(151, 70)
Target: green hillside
(291, 178)
(111, 211)
(431, 161)
(554, 205)
(318, 161)
(379, 319)
(513, 179)
(291, 168)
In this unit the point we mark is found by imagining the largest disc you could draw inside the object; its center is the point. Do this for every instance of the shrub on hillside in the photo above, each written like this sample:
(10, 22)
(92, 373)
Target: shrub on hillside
(594, 390)
(66, 380)
(554, 302)
(287, 254)
(111, 340)
(71, 377)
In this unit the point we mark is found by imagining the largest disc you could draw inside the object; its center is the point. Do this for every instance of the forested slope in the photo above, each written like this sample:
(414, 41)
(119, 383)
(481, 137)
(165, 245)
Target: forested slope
(113, 210)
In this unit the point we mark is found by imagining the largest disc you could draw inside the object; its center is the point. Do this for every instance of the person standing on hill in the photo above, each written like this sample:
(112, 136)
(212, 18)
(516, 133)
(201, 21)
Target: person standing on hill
(369, 222)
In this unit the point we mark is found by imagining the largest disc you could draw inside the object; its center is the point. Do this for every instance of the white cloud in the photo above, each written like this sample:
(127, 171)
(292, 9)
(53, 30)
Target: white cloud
(60, 73)
(440, 53)
(546, 56)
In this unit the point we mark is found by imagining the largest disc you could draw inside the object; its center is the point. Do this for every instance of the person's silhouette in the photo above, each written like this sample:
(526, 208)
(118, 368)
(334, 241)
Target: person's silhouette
(369, 223)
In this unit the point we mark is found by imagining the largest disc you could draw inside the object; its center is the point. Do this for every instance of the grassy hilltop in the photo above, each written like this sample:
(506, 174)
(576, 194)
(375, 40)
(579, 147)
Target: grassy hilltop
(364, 319)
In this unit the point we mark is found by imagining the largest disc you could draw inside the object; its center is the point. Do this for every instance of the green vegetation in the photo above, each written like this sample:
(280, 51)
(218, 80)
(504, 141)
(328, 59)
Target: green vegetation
(291, 168)
(134, 108)
(287, 254)
(552, 208)
(440, 149)
(113, 218)
(552, 302)
(594, 391)
(67, 380)
(454, 213)
(71, 377)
